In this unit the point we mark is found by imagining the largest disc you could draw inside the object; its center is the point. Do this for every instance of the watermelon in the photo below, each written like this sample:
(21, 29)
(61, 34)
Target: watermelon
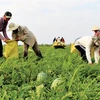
(56, 83)
(41, 77)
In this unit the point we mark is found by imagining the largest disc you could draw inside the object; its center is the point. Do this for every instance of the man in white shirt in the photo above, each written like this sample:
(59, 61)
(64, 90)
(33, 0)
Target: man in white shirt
(85, 44)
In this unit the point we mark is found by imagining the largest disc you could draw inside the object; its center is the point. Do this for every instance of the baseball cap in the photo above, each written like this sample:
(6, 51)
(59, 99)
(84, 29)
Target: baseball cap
(8, 14)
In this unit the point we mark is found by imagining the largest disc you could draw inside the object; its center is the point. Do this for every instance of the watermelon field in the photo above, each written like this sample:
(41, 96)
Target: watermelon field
(60, 75)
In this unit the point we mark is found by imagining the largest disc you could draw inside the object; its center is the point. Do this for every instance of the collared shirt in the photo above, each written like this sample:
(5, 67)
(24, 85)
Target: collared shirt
(25, 35)
(3, 26)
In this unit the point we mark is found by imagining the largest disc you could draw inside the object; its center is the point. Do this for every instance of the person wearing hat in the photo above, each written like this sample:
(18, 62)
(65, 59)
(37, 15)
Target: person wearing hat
(22, 33)
(85, 45)
(3, 25)
(96, 30)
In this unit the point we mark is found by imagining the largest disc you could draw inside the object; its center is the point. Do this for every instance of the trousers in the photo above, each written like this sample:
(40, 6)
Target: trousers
(1, 49)
(35, 48)
(82, 51)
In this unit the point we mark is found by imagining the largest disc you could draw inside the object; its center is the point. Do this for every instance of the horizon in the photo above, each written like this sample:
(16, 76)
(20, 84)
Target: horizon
(52, 18)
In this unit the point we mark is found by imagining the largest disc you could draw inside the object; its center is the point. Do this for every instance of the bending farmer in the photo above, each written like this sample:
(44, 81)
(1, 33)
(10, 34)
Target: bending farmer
(22, 33)
(85, 44)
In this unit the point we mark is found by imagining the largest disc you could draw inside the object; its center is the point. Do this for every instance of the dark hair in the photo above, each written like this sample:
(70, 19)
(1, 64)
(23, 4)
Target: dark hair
(15, 31)
(96, 31)
(7, 13)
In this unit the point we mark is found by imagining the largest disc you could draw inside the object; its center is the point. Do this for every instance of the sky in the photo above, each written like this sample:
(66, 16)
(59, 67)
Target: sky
(54, 18)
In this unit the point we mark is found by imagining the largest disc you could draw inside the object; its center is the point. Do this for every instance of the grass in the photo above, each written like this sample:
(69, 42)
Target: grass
(18, 77)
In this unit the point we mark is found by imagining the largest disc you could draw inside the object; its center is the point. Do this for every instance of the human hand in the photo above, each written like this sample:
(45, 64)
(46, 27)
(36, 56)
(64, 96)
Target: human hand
(96, 62)
(18, 39)
(90, 63)
(5, 40)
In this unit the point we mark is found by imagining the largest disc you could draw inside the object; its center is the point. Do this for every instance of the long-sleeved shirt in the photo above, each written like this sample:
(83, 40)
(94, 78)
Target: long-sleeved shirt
(3, 26)
(25, 35)
(88, 43)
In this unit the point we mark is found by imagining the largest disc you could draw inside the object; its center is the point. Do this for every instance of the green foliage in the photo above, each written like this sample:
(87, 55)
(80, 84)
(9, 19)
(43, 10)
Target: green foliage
(64, 76)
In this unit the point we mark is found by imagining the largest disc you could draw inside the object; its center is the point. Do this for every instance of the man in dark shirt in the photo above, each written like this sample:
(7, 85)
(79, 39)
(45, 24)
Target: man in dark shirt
(3, 25)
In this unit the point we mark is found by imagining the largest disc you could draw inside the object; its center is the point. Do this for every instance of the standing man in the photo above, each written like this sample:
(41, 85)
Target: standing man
(3, 25)
(22, 33)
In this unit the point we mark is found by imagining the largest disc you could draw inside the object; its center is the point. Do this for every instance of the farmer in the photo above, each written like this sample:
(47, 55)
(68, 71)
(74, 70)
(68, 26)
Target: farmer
(3, 25)
(85, 44)
(58, 39)
(96, 31)
(54, 40)
(62, 40)
(22, 33)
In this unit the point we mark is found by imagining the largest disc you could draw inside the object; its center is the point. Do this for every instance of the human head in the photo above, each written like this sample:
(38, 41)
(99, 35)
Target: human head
(7, 15)
(12, 27)
(95, 29)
